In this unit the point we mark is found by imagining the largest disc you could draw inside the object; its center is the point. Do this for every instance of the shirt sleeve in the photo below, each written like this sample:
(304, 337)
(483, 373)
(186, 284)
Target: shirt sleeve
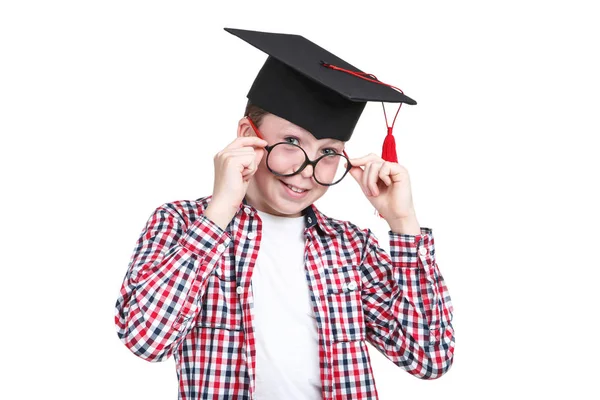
(166, 276)
(407, 306)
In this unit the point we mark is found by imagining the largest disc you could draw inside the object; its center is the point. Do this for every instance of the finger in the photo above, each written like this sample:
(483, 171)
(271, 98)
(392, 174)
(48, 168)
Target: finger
(384, 173)
(373, 178)
(258, 152)
(365, 181)
(357, 174)
(228, 154)
(397, 172)
(241, 150)
(365, 159)
(250, 169)
(247, 141)
(244, 162)
(259, 156)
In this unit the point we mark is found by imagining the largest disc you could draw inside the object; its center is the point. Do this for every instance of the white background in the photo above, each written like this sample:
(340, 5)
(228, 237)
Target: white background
(110, 109)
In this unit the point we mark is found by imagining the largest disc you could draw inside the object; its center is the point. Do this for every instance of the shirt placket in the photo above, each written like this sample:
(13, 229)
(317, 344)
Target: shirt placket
(243, 276)
(316, 271)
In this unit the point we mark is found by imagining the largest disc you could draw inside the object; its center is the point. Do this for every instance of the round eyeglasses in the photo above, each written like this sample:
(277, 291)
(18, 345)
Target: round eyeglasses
(287, 159)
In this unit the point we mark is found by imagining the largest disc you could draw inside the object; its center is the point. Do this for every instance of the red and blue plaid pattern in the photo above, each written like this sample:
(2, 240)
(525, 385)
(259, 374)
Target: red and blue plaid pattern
(187, 293)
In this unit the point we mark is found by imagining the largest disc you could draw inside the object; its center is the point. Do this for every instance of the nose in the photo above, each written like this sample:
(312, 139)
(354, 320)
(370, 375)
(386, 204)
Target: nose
(307, 172)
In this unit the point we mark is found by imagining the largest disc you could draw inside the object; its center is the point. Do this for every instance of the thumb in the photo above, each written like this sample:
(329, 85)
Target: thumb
(260, 153)
(356, 173)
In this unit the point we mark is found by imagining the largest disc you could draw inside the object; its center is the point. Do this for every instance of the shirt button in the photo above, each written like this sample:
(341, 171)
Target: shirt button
(251, 235)
(220, 248)
(352, 285)
(239, 290)
(246, 210)
(309, 220)
(423, 251)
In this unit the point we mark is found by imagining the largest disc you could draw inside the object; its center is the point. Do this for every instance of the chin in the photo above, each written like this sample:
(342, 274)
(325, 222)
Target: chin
(295, 208)
(289, 207)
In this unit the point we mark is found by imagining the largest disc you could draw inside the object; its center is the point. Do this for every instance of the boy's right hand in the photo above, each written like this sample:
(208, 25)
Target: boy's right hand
(234, 167)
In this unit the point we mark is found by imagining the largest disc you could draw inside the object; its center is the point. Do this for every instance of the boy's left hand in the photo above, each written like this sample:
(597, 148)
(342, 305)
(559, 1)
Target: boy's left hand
(386, 185)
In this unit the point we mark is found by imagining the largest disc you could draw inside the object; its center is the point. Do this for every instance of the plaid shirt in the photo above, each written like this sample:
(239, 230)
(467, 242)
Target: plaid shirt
(187, 293)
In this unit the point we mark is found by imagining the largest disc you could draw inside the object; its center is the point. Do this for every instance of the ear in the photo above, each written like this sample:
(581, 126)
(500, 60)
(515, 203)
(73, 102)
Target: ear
(244, 128)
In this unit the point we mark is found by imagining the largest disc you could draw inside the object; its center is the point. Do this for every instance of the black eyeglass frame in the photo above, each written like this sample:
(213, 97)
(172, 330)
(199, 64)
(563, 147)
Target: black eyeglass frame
(307, 161)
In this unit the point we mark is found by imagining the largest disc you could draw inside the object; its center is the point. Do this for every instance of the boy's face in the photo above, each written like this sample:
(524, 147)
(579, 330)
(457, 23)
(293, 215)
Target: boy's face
(266, 191)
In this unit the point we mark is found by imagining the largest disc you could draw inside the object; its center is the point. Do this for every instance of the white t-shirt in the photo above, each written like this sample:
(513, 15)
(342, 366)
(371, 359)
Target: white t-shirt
(287, 351)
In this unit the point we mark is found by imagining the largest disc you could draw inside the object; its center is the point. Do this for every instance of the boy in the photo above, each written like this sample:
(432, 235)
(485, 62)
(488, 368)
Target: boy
(254, 291)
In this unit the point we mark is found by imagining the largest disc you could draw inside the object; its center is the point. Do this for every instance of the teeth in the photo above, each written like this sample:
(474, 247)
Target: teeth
(295, 189)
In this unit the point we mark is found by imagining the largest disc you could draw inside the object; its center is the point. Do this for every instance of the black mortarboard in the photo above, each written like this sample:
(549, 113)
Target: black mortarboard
(314, 89)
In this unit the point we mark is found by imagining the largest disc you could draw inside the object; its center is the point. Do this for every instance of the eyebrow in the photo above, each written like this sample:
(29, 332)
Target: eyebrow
(330, 142)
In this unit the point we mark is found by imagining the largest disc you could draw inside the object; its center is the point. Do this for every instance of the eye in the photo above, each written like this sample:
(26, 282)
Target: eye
(293, 138)
(331, 151)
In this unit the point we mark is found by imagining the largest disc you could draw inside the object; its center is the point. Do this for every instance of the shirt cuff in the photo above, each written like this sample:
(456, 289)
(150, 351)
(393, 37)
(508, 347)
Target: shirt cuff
(406, 250)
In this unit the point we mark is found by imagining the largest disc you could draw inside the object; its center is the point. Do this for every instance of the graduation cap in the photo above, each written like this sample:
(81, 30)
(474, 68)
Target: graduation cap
(307, 85)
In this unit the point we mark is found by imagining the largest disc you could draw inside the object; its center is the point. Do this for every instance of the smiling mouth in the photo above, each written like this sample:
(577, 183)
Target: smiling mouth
(295, 189)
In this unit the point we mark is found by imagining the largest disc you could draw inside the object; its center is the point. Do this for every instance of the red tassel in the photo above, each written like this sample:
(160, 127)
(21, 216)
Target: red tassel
(388, 152)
